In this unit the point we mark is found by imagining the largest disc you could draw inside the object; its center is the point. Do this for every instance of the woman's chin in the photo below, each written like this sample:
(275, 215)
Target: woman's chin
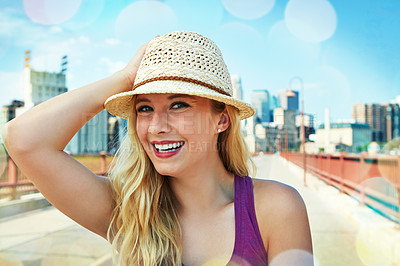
(166, 171)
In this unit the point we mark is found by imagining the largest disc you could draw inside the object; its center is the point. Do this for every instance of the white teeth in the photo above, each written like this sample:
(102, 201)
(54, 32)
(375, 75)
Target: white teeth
(168, 147)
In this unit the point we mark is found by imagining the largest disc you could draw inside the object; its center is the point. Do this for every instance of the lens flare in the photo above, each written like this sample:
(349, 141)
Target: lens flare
(381, 195)
(87, 14)
(191, 14)
(51, 12)
(371, 248)
(144, 20)
(294, 257)
(285, 50)
(239, 43)
(9, 259)
(246, 9)
(32, 250)
(311, 20)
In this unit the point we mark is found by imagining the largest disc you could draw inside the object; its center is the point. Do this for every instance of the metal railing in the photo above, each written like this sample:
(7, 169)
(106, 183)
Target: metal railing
(14, 183)
(374, 181)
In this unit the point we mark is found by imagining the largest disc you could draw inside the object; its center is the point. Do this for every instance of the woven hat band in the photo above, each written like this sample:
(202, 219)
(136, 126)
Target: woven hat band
(190, 80)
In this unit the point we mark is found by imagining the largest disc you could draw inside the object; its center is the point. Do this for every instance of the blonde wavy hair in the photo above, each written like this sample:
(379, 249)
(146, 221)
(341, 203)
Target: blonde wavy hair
(145, 228)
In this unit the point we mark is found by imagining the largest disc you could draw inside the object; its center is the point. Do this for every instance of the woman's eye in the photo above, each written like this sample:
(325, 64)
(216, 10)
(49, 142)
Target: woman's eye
(179, 105)
(144, 108)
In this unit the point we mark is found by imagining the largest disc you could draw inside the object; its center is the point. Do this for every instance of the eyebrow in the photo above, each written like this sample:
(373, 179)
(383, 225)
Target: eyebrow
(181, 96)
(141, 100)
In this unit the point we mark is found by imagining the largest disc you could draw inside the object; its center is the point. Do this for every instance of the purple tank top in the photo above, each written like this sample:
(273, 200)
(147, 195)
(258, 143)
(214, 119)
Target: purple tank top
(249, 248)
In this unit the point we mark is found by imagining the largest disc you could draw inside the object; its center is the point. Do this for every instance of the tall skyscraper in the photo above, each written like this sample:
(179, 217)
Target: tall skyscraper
(237, 87)
(374, 115)
(285, 117)
(359, 112)
(392, 114)
(288, 103)
(260, 101)
(92, 137)
(40, 86)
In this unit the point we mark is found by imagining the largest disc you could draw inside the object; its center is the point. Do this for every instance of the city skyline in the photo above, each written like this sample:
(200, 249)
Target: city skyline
(345, 53)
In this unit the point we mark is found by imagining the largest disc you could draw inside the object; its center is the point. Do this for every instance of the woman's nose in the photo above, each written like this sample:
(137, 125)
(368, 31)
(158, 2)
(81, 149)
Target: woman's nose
(159, 124)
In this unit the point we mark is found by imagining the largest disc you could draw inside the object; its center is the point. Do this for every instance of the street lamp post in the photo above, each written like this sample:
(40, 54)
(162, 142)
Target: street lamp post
(290, 93)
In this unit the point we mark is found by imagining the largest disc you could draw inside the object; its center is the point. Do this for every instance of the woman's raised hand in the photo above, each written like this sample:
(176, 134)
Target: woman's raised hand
(36, 141)
(130, 70)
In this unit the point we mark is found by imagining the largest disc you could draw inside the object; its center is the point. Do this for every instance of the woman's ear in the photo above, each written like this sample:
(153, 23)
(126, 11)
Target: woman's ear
(224, 121)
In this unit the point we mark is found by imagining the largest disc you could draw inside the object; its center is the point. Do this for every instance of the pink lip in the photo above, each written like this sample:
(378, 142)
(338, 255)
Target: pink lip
(165, 142)
(165, 154)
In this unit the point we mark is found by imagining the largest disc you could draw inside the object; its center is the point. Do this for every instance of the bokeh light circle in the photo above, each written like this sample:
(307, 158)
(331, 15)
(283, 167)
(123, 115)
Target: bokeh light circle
(294, 257)
(286, 51)
(381, 194)
(392, 147)
(144, 20)
(10, 259)
(372, 248)
(246, 9)
(51, 12)
(239, 43)
(311, 20)
(88, 12)
(191, 14)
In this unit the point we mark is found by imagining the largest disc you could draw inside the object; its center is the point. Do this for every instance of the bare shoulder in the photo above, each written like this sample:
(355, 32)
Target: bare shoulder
(281, 216)
(277, 197)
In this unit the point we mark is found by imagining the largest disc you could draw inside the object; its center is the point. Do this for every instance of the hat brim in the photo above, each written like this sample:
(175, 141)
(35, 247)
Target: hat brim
(121, 104)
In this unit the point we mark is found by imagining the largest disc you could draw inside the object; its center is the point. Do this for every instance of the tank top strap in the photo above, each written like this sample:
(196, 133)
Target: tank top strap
(249, 248)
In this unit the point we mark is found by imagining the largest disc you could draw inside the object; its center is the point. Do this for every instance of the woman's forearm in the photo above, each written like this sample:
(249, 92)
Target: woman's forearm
(53, 123)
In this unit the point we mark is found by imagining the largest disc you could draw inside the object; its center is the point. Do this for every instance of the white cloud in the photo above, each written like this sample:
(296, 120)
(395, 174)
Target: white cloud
(112, 41)
(56, 29)
(111, 66)
(84, 39)
(13, 25)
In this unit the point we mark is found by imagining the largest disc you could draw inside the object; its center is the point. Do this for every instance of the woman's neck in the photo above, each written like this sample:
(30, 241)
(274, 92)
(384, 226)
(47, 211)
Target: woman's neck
(205, 189)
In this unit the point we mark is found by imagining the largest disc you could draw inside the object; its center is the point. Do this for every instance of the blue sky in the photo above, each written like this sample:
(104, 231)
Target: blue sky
(341, 52)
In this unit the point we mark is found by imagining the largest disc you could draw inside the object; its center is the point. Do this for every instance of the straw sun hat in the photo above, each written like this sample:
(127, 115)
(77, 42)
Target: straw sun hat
(182, 63)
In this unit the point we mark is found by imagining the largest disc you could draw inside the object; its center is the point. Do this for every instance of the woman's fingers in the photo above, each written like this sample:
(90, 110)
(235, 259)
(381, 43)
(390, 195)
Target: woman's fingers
(133, 65)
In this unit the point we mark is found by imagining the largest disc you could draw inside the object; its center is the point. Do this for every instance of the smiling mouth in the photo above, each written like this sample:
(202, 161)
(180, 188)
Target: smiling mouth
(171, 147)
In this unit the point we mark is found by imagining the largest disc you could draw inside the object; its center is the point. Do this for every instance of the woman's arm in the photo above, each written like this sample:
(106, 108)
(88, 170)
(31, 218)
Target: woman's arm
(36, 140)
(283, 223)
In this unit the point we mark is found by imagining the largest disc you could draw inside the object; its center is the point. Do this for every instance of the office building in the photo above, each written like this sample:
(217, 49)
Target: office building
(346, 136)
(260, 101)
(40, 86)
(288, 102)
(92, 138)
(308, 125)
(392, 115)
(374, 116)
(270, 137)
(285, 117)
(9, 111)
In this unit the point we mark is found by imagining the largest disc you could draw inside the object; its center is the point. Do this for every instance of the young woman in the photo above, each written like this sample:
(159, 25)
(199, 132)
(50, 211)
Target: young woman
(180, 191)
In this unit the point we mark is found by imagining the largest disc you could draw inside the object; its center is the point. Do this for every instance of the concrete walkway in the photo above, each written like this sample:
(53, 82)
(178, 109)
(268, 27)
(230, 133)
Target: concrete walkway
(48, 237)
(343, 232)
